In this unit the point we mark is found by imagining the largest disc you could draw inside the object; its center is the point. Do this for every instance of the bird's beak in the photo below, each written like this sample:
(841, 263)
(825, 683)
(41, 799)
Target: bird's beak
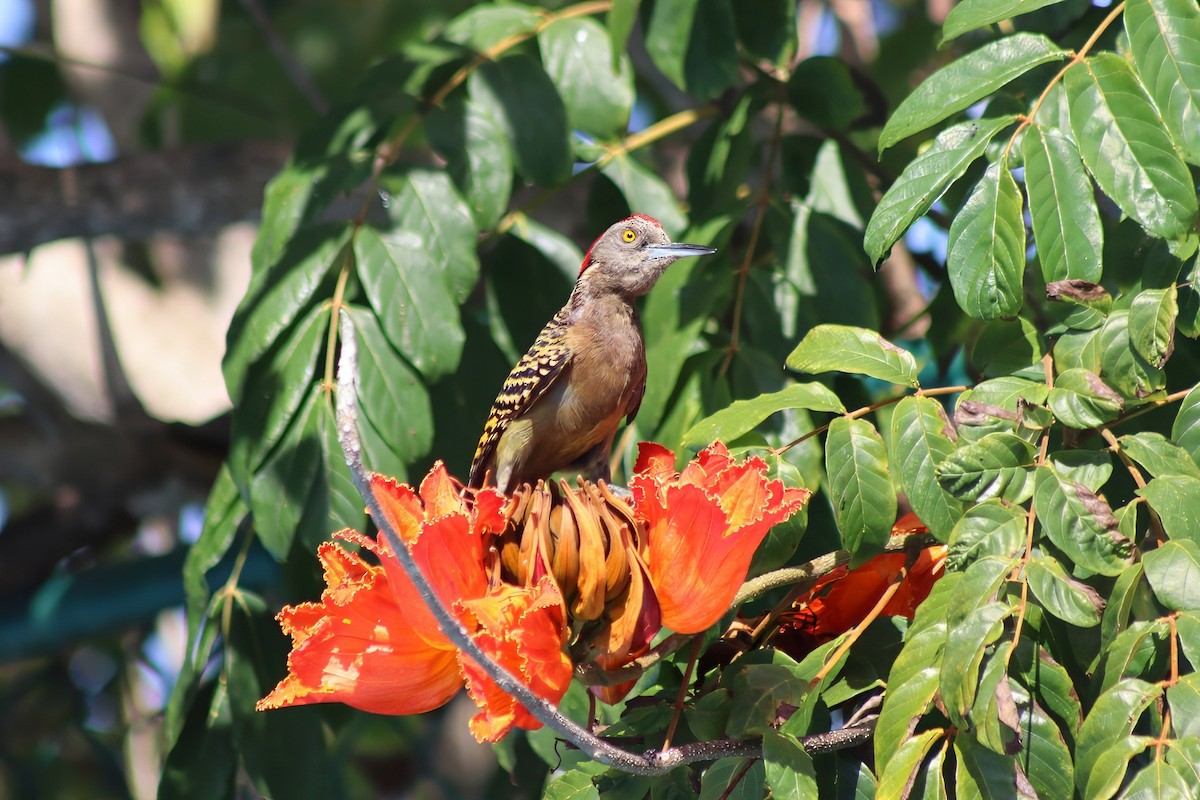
(674, 250)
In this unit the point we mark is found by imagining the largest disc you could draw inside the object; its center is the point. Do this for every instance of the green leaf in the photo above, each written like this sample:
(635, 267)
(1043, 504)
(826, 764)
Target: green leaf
(790, 771)
(273, 394)
(925, 179)
(1008, 347)
(269, 743)
(694, 43)
(998, 465)
(838, 103)
(202, 764)
(574, 784)
(1184, 699)
(1080, 523)
(1176, 500)
(579, 57)
(971, 15)
(1125, 147)
(842, 348)
(919, 665)
(729, 779)
(897, 779)
(1156, 780)
(275, 301)
(1117, 611)
(280, 490)
(410, 297)
(1185, 431)
(919, 440)
(1159, 456)
(1045, 757)
(483, 26)
(1173, 571)
(1152, 324)
(1081, 400)
(1112, 765)
(1111, 719)
(1061, 595)
(982, 773)
(646, 192)
(965, 644)
(425, 204)
(758, 691)
(621, 19)
(986, 256)
(1062, 207)
(1138, 651)
(1090, 468)
(472, 139)
(516, 91)
(1188, 626)
(967, 80)
(1120, 365)
(390, 393)
(992, 528)
(743, 415)
(1164, 40)
(860, 486)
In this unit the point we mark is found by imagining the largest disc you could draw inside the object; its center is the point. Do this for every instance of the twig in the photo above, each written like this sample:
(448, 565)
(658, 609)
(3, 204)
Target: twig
(296, 72)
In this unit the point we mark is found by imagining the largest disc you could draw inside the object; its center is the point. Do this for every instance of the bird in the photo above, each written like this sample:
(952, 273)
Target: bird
(561, 404)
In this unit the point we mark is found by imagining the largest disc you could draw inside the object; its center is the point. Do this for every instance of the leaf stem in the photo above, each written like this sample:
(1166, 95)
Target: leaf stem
(760, 215)
(862, 412)
(1076, 57)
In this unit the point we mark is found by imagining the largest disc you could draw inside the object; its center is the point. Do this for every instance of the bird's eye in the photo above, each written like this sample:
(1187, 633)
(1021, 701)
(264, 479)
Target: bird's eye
(628, 235)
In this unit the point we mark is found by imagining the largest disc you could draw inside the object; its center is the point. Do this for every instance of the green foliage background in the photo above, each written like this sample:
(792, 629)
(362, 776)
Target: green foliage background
(1054, 144)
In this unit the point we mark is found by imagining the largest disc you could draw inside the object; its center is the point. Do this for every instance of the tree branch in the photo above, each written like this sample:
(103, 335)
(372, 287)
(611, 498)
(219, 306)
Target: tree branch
(195, 189)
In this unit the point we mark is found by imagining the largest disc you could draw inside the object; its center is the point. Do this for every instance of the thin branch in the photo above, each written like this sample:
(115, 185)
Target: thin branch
(296, 72)
(862, 412)
(743, 272)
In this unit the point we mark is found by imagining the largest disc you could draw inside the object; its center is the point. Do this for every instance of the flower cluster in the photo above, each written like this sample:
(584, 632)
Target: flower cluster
(551, 577)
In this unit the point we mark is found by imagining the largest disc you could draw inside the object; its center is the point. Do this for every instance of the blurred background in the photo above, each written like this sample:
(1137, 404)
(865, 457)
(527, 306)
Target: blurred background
(135, 140)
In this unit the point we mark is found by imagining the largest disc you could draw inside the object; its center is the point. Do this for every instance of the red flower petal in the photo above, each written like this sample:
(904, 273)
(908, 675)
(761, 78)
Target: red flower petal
(359, 648)
(523, 629)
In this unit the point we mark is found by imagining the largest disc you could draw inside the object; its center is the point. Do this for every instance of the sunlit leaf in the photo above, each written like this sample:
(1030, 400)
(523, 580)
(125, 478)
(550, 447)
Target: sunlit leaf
(1176, 500)
(925, 179)
(1079, 522)
(1125, 147)
(965, 81)
(998, 465)
(1164, 40)
(1152, 324)
(1062, 207)
(790, 771)
(920, 439)
(860, 486)
(1081, 400)
(1064, 597)
(578, 56)
(743, 415)
(986, 259)
(991, 528)
(841, 348)
(1174, 573)
(1111, 719)
(971, 15)
(1159, 456)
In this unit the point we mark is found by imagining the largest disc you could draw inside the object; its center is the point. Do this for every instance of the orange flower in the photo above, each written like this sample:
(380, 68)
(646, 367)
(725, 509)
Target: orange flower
(703, 527)
(844, 597)
(371, 642)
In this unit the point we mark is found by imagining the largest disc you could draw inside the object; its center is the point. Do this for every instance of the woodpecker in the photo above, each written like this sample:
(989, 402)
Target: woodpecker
(560, 406)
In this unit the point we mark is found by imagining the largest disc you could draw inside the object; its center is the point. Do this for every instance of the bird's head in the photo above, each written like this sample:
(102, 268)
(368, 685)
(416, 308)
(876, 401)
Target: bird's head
(630, 256)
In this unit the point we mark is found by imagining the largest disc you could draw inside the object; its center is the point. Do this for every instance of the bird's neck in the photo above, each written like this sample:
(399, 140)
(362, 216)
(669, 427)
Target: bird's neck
(592, 303)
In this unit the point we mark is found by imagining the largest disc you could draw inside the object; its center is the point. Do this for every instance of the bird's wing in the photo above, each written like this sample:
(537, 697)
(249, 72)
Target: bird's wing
(533, 375)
